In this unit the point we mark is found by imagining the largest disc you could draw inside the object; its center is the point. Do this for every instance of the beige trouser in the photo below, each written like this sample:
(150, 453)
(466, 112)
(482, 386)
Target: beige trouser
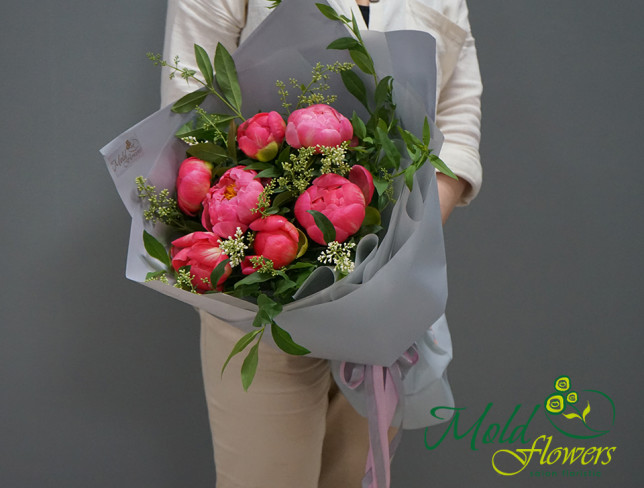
(291, 429)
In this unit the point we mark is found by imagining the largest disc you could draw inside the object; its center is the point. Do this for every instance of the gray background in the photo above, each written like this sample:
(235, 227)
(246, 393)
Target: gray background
(100, 377)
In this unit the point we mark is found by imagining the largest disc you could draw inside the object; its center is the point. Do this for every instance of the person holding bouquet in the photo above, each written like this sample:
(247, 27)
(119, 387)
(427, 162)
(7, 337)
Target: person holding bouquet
(293, 427)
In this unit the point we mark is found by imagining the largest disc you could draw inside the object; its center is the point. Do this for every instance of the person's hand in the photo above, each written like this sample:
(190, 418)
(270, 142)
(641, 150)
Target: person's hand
(449, 193)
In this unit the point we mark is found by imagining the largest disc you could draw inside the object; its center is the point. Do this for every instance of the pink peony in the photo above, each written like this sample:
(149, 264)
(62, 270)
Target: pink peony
(260, 136)
(228, 204)
(193, 183)
(317, 125)
(200, 251)
(276, 239)
(341, 201)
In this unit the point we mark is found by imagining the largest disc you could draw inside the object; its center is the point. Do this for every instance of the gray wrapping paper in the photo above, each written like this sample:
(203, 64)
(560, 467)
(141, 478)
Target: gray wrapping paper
(398, 288)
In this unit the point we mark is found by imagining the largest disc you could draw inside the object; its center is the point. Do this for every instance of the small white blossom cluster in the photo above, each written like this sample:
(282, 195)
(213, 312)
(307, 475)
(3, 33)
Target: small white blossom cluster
(162, 206)
(339, 255)
(190, 140)
(163, 278)
(263, 265)
(235, 246)
(333, 160)
(264, 198)
(184, 281)
(297, 173)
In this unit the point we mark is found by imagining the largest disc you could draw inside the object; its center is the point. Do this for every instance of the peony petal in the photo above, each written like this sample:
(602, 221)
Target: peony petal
(360, 176)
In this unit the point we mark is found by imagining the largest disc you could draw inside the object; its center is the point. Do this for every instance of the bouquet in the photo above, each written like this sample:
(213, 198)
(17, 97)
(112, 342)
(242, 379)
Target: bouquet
(295, 221)
(263, 202)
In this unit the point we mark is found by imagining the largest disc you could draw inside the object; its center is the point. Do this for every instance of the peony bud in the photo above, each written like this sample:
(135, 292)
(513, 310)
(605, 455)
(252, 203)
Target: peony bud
(260, 136)
(193, 182)
(317, 125)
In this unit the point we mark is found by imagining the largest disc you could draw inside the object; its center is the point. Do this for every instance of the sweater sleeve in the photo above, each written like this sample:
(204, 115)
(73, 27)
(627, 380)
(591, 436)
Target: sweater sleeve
(203, 22)
(458, 114)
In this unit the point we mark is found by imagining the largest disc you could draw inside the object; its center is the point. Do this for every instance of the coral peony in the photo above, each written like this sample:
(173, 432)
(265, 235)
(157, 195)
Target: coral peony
(276, 239)
(341, 201)
(228, 204)
(200, 251)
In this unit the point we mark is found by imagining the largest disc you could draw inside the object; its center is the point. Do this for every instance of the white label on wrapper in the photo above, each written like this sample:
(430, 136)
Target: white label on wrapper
(126, 154)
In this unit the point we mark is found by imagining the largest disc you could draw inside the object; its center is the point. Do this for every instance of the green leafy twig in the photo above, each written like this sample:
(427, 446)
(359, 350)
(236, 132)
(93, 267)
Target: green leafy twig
(268, 309)
(224, 74)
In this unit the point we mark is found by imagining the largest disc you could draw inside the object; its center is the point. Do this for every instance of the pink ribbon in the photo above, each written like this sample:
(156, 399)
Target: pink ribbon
(383, 393)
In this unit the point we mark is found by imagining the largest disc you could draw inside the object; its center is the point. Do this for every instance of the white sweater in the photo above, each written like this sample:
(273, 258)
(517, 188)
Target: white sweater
(458, 112)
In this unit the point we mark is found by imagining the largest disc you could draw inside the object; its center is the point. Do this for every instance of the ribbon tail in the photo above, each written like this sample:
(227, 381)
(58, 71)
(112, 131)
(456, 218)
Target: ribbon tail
(382, 389)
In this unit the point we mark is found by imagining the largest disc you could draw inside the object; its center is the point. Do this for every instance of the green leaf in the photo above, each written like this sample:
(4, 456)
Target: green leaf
(381, 185)
(261, 319)
(301, 265)
(208, 152)
(230, 141)
(270, 307)
(285, 342)
(155, 248)
(327, 11)
(285, 285)
(302, 243)
(411, 141)
(441, 166)
(391, 152)
(226, 76)
(204, 133)
(249, 366)
(384, 90)
(359, 129)
(282, 198)
(253, 278)
(324, 224)
(369, 229)
(258, 166)
(354, 27)
(362, 60)
(355, 86)
(240, 346)
(426, 133)
(383, 201)
(409, 176)
(371, 216)
(153, 275)
(204, 64)
(193, 226)
(344, 43)
(218, 272)
(271, 172)
(188, 102)
(284, 154)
